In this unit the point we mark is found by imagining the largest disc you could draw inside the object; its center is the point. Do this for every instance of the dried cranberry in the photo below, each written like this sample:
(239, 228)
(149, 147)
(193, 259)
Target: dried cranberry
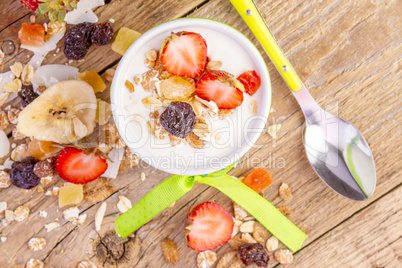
(22, 174)
(27, 95)
(253, 254)
(178, 119)
(102, 34)
(77, 41)
(45, 167)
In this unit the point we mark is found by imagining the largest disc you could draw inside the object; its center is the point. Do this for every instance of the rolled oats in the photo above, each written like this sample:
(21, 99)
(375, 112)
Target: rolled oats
(206, 259)
(3, 97)
(86, 264)
(17, 135)
(284, 192)
(239, 212)
(36, 243)
(21, 213)
(16, 68)
(169, 251)
(284, 256)
(152, 55)
(71, 214)
(247, 227)
(51, 226)
(272, 243)
(19, 153)
(285, 210)
(247, 238)
(5, 179)
(260, 233)
(124, 204)
(35, 263)
(12, 115)
(149, 79)
(4, 123)
(81, 219)
(149, 63)
(27, 74)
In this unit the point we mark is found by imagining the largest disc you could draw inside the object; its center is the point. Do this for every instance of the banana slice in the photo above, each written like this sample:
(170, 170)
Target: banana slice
(64, 113)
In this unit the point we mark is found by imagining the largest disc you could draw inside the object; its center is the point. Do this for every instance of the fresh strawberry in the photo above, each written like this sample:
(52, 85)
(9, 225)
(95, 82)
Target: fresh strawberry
(78, 166)
(251, 81)
(219, 87)
(209, 226)
(55, 9)
(30, 4)
(184, 54)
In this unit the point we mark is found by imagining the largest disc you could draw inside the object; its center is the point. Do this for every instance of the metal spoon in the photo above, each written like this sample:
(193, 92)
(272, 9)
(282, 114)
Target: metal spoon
(335, 148)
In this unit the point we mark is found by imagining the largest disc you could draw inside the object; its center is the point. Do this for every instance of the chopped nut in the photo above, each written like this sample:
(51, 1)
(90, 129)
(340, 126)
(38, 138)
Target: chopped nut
(235, 242)
(247, 227)
(21, 213)
(35, 263)
(272, 243)
(214, 65)
(129, 86)
(236, 230)
(3, 206)
(169, 251)
(5, 179)
(284, 192)
(239, 212)
(285, 210)
(195, 141)
(51, 226)
(206, 259)
(228, 260)
(237, 222)
(152, 55)
(284, 256)
(36, 243)
(149, 79)
(99, 194)
(16, 68)
(260, 233)
(13, 86)
(253, 108)
(152, 103)
(4, 123)
(273, 130)
(27, 74)
(109, 73)
(3, 97)
(124, 204)
(99, 216)
(17, 135)
(247, 238)
(71, 214)
(86, 264)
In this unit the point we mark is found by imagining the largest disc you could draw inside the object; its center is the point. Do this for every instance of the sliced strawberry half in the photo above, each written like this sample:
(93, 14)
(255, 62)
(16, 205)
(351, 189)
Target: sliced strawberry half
(209, 226)
(251, 81)
(219, 87)
(184, 54)
(78, 166)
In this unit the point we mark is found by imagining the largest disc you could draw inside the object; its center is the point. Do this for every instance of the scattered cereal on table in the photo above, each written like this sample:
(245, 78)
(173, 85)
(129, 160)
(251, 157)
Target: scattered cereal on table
(51, 226)
(284, 191)
(284, 256)
(206, 259)
(21, 213)
(285, 210)
(36, 243)
(169, 251)
(247, 227)
(5, 179)
(272, 243)
(239, 212)
(86, 264)
(35, 263)
(260, 233)
(71, 214)
(124, 204)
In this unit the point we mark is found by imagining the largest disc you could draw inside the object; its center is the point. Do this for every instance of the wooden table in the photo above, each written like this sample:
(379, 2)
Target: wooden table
(348, 53)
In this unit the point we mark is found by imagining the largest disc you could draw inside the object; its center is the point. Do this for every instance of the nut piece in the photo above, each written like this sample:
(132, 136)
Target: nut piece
(5, 179)
(239, 212)
(99, 216)
(109, 73)
(81, 219)
(151, 55)
(206, 259)
(247, 227)
(21, 213)
(285, 210)
(284, 192)
(36, 243)
(129, 86)
(284, 256)
(27, 74)
(247, 238)
(71, 214)
(35, 263)
(124, 204)
(51, 226)
(19, 153)
(97, 190)
(152, 103)
(86, 264)
(272, 243)
(235, 242)
(9, 215)
(236, 230)
(169, 251)
(260, 233)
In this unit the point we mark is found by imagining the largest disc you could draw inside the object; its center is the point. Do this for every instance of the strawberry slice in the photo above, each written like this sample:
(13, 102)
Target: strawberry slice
(251, 81)
(79, 167)
(209, 226)
(184, 54)
(219, 87)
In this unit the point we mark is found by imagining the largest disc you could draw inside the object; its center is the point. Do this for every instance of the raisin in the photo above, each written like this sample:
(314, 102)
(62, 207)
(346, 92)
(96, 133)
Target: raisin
(253, 254)
(102, 34)
(178, 119)
(27, 95)
(22, 174)
(45, 167)
(77, 40)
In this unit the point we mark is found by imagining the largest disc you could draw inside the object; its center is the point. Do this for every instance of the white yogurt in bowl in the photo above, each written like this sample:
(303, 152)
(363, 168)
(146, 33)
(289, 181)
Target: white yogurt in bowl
(237, 133)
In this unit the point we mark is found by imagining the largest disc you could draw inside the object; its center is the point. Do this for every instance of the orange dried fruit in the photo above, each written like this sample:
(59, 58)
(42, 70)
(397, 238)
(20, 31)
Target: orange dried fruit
(258, 179)
(32, 35)
(169, 251)
(93, 79)
(42, 149)
(71, 194)
(176, 88)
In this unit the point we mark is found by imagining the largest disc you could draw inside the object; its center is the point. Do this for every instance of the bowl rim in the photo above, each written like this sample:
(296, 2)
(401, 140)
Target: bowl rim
(124, 63)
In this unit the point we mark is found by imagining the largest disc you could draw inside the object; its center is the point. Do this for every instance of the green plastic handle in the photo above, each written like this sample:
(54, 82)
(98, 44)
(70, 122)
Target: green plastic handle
(250, 14)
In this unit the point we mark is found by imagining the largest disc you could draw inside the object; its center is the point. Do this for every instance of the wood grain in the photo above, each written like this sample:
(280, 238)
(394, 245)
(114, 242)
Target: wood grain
(348, 53)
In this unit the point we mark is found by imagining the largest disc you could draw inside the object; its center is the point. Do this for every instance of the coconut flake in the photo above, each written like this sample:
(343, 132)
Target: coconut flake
(49, 74)
(6, 78)
(99, 216)
(116, 155)
(4, 144)
(83, 12)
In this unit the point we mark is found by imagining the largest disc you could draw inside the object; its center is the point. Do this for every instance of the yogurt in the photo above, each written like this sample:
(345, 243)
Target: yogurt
(231, 137)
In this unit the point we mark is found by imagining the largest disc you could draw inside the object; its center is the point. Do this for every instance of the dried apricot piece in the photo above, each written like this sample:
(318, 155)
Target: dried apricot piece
(32, 35)
(176, 88)
(123, 40)
(94, 79)
(258, 179)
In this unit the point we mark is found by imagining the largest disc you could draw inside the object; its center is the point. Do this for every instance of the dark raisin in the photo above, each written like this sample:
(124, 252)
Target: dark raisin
(102, 34)
(45, 167)
(178, 119)
(77, 41)
(253, 254)
(27, 95)
(22, 174)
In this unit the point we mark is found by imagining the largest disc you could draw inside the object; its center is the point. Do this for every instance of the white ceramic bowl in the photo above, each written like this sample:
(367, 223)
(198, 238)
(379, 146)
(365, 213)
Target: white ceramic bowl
(237, 133)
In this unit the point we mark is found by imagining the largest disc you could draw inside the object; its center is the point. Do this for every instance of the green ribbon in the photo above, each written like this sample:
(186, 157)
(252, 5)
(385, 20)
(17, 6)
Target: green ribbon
(176, 186)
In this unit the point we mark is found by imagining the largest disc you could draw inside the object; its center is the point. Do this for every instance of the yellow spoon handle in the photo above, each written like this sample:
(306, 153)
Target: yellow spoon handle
(252, 17)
